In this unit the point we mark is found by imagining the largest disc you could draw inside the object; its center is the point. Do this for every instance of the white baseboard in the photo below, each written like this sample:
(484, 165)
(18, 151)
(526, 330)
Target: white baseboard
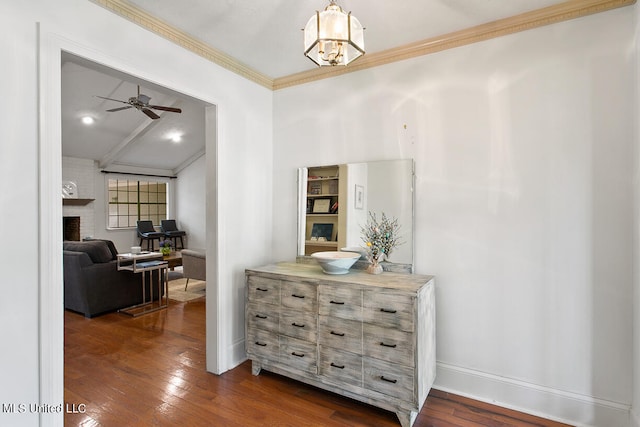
(570, 408)
(238, 354)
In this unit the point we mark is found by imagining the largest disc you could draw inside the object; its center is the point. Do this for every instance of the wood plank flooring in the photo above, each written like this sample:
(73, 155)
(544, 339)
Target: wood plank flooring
(150, 371)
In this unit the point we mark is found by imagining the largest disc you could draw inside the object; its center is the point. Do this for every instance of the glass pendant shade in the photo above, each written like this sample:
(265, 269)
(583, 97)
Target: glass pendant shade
(333, 37)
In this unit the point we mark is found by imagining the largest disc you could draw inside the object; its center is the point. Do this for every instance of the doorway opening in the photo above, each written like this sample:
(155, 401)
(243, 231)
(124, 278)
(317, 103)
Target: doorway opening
(51, 319)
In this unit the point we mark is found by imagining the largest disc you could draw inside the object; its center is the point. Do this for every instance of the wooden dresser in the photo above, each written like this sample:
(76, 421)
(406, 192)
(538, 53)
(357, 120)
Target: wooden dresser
(368, 337)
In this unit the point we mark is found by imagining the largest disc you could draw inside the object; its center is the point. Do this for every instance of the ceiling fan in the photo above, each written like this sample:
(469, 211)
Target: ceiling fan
(141, 103)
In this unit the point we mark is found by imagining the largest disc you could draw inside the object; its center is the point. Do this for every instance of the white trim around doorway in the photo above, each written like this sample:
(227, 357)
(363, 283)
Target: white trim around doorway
(51, 290)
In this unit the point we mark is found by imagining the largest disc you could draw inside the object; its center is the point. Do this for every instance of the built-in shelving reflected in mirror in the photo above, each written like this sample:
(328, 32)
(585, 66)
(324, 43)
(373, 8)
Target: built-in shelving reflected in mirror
(334, 202)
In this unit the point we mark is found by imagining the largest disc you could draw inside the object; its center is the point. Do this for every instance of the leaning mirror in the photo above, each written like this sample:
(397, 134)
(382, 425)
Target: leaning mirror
(334, 202)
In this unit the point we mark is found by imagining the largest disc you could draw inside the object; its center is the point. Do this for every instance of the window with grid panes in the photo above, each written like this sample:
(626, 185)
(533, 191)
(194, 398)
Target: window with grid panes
(131, 200)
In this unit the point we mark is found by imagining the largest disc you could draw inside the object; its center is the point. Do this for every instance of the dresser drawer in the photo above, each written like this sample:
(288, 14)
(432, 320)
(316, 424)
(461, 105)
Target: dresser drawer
(299, 324)
(340, 333)
(262, 316)
(263, 290)
(390, 345)
(262, 344)
(298, 354)
(343, 302)
(340, 366)
(299, 296)
(389, 310)
(390, 379)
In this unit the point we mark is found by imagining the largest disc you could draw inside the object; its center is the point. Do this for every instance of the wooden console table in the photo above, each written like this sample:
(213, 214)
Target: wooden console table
(367, 337)
(146, 262)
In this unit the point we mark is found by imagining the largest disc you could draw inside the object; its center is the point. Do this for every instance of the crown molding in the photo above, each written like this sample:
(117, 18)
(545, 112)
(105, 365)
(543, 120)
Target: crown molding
(565, 11)
(526, 21)
(157, 26)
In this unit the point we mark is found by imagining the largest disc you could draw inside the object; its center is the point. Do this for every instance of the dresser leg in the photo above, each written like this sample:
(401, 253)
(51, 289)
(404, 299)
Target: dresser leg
(406, 418)
(255, 367)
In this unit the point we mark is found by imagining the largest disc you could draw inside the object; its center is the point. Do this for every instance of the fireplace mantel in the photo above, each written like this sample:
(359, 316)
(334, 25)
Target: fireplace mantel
(76, 202)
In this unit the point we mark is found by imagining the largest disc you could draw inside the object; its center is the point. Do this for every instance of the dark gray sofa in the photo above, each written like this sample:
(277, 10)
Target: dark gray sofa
(92, 283)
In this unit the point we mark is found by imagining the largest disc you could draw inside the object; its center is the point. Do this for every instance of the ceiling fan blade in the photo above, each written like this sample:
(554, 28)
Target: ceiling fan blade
(111, 99)
(150, 113)
(160, 107)
(119, 108)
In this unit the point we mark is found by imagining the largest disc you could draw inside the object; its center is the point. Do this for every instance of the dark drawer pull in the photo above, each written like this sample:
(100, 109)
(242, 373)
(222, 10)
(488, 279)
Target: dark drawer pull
(340, 334)
(336, 302)
(261, 316)
(386, 310)
(297, 354)
(297, 325)
(297, 296)
(337, 366)
(261, 344)
(262, 290)
(388, 345)
(388, 380)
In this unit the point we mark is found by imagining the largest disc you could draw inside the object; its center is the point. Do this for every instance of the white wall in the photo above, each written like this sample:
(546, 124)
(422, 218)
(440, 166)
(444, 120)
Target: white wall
(190, 201)
(635, 411)
(19, 216)
(240, 185)
(356, 218)
(523, 148)
(383, 195)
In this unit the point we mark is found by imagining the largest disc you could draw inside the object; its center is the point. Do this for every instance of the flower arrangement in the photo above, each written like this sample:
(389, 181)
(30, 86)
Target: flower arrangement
(380, 237)
(165, 246)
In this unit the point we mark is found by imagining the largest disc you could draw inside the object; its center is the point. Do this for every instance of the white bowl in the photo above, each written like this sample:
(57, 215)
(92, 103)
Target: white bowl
(357, 249)
(334, 262)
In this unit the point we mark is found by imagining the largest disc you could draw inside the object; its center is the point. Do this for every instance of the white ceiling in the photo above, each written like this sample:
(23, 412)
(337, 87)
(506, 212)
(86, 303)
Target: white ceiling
(266, 36)
(127, 137)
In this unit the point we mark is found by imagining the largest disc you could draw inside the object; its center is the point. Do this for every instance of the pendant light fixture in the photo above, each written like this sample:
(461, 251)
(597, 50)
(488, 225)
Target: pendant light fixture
(333, 37)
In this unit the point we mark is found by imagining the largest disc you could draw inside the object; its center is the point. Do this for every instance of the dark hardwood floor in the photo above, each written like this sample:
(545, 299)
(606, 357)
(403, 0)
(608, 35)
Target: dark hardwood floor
(150, 371)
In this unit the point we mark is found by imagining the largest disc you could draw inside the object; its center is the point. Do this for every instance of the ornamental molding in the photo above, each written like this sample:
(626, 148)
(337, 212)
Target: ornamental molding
(565, 11)
(182, 39)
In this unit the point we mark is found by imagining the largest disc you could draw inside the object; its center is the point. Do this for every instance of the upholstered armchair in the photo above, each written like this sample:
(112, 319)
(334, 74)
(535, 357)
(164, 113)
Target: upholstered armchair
(170, 230)
(146, 231)
(194, 265)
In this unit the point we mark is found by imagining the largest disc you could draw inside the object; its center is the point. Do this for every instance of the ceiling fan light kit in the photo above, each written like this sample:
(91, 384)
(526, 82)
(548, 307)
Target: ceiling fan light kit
(141, 103)
(333, 37)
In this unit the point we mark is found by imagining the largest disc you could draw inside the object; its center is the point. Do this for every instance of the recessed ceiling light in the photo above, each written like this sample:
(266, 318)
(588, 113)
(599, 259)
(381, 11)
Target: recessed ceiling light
(88, 120)
(176, 137)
